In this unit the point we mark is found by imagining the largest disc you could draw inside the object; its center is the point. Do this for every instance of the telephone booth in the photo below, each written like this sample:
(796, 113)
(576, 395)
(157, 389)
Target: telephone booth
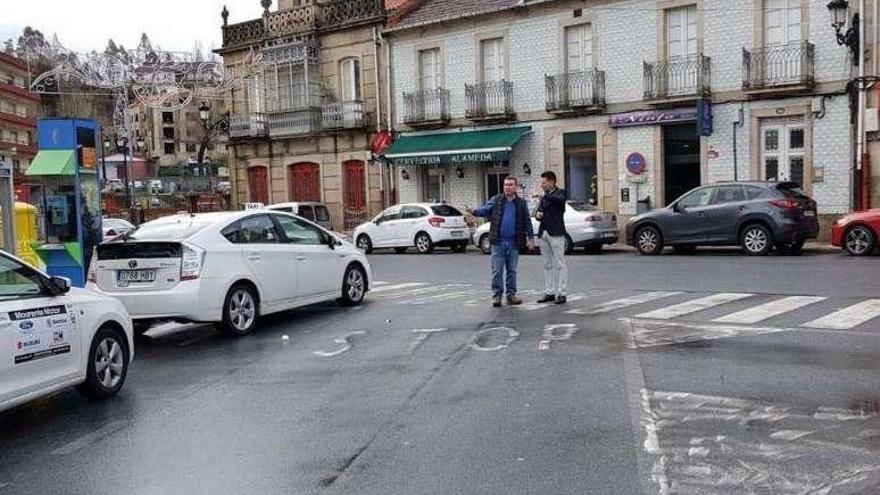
(69, 196)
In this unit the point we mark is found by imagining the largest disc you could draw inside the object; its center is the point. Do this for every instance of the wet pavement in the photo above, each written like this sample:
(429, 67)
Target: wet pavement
(713, 373)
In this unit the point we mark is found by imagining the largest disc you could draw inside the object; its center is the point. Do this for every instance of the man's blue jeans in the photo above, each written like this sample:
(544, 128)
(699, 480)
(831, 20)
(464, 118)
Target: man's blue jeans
(505, 256)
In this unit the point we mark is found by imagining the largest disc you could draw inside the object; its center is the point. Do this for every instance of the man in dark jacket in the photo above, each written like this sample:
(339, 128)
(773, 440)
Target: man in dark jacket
(551, 239)
(510, 231)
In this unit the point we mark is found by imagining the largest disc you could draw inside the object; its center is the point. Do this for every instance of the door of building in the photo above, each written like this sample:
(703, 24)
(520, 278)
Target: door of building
(354, 194)
(681, 160)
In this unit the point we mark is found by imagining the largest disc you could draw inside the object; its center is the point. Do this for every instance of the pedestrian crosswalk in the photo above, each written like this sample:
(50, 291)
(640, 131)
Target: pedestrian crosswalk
(721, 309)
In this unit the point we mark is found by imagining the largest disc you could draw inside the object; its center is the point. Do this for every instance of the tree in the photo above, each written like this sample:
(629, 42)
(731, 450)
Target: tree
(9, 47)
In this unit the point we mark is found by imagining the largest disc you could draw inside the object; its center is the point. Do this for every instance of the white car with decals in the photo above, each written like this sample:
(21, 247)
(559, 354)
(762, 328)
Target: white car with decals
(54, 336)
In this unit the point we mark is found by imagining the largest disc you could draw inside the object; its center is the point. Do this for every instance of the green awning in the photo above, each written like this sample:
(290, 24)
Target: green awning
(53, 162)
(455, 147)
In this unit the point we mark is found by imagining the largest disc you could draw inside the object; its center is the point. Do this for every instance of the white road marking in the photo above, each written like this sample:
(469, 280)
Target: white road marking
(475, 345)
(769, 310)
(660, 333)
(550, 335)
(625, 303)
(699, 445)
(344, 341)
(387, 288)
(90, 438)
(423, 334)
(849, 317)
(694, 306)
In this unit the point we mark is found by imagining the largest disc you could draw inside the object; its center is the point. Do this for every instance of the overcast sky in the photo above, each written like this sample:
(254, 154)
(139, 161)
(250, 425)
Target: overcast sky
(86, 25)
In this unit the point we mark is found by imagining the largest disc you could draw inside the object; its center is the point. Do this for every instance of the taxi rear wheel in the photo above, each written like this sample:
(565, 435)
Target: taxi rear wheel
(107, 365)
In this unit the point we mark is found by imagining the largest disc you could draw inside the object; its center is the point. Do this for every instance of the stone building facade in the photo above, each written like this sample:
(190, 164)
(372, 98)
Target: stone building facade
(303, 122)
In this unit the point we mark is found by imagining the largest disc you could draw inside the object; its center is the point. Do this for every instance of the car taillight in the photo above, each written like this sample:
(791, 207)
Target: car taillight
(92, 275)
(191, 262)
(594, 218)
(785, 204)
(436, 221)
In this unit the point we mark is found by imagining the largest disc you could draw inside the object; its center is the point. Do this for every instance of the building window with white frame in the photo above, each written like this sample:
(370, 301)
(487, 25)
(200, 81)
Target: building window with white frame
(429, 69)
(782, 22)
(783, 150)
(350, 80)
(493, 60)
(681, 32)
(578, 48)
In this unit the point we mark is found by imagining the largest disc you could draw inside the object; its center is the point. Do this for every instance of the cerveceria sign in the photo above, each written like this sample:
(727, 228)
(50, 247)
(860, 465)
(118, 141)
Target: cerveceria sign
(442, 159)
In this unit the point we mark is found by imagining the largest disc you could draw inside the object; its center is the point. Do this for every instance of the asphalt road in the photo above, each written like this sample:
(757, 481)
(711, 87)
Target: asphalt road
(714, 373)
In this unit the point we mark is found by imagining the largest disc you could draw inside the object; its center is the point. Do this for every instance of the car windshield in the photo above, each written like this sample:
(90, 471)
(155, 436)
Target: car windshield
(445, 211)
(169, 230)
(581, 206)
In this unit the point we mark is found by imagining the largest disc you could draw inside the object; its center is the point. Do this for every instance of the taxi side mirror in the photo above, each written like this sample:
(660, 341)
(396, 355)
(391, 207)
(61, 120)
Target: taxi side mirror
(60, 285)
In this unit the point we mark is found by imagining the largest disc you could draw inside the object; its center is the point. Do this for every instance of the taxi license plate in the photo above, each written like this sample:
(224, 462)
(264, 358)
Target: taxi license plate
(809, 213)
(609, 234)
(127, 276)
(457, 233)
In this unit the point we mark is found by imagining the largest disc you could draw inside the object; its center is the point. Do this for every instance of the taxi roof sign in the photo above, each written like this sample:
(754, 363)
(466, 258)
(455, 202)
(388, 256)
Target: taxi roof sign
(254, 206)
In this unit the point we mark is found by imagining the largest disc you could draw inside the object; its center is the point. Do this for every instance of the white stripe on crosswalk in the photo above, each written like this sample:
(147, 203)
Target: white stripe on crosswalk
(769, 310)
(624, 303)
(689, 307)
(386, 288)
(848, 317)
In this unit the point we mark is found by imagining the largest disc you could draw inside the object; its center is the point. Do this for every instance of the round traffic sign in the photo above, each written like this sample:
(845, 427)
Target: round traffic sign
(636, 164)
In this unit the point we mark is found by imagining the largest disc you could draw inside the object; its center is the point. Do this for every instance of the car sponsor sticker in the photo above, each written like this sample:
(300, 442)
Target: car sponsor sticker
(42, 333)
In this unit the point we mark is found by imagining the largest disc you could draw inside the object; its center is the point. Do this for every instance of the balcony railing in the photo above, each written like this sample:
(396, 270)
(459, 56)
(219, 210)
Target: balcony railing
(678, 78)
(247, 125)
(344, 115)
(575, 91)
(489, 100)
(295, 122)
(426, 107)
(779, 66)
(334, 14)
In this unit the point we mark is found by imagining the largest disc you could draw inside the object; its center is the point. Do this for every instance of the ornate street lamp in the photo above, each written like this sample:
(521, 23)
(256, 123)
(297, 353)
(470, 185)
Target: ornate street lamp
(205, 113)
(839, 10)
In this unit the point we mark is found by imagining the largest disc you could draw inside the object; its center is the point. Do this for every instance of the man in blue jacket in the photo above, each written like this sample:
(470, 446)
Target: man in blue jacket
(510, 230)
(551, 239)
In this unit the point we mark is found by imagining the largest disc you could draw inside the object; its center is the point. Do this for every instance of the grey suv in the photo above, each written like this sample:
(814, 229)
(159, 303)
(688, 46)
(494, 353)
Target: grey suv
(754, 215)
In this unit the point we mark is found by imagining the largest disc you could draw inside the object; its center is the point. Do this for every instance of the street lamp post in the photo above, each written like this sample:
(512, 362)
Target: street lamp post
(210, 128)
(854, 38)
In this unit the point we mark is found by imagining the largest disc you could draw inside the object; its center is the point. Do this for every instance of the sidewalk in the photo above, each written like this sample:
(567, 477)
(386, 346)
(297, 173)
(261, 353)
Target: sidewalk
(810, 247)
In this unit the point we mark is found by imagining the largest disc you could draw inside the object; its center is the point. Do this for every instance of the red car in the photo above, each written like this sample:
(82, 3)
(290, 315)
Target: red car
(857, 232)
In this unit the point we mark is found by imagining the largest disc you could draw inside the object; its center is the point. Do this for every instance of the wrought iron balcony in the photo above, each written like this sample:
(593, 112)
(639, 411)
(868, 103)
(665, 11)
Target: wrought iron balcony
(489, 100)
(247, 125)
(426, 108)
(344, 115)
(779, 67)
(334, 14)
(681, 77)
(295, 122)
(575, 91)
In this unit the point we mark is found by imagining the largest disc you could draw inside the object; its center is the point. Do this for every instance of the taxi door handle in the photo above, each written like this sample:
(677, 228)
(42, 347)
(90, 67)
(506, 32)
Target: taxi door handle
(254, 257)
(300, 257)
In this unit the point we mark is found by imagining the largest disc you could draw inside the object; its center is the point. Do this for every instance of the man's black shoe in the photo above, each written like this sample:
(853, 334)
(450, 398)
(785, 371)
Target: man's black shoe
(496, 302)
(548, 298)
(561, 300)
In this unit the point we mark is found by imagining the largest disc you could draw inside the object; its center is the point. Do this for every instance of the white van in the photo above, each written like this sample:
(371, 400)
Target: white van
(312, 211)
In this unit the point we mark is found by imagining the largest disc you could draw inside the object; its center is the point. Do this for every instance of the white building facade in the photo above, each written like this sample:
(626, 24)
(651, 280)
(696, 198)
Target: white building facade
(626, 101)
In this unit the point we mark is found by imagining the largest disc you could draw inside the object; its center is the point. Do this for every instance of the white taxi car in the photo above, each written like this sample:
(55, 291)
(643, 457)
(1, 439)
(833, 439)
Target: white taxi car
(228, 268)
(420, 225)
(586, 226)
(53, 336)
